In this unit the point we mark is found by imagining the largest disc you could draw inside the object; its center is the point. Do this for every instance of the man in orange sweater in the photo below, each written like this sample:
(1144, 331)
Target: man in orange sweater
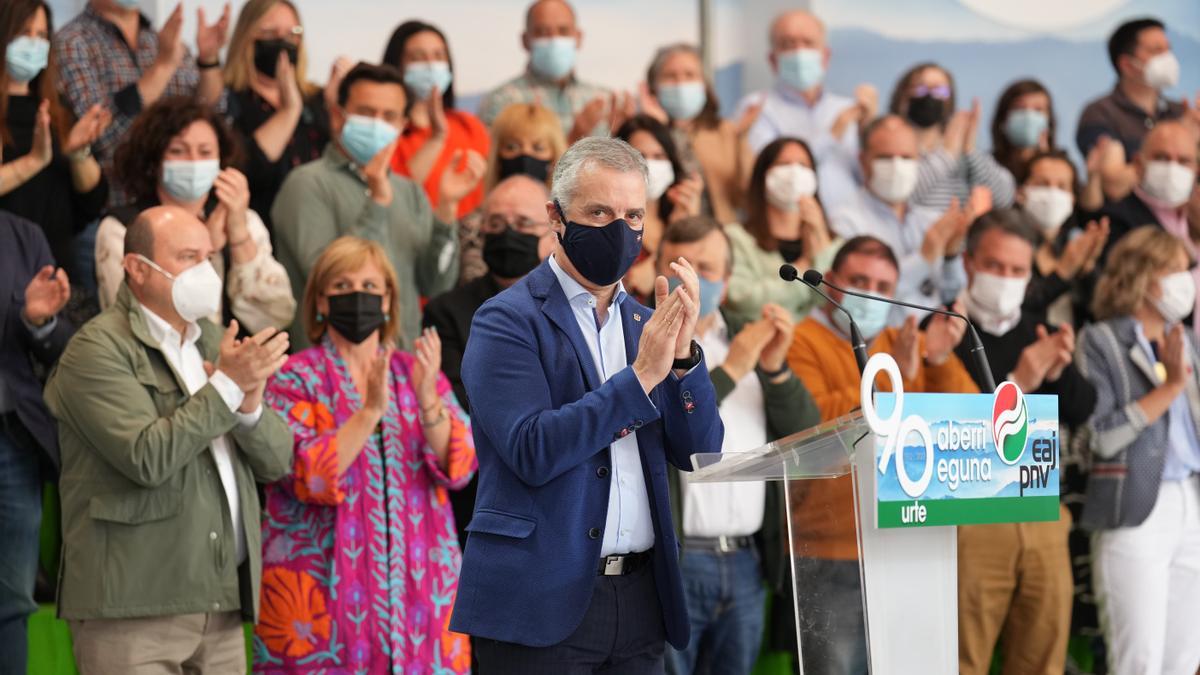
(824, 541)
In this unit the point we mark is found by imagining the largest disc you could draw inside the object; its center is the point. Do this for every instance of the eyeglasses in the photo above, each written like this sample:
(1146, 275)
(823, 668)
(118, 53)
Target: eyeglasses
(941, 91)
(497, 223)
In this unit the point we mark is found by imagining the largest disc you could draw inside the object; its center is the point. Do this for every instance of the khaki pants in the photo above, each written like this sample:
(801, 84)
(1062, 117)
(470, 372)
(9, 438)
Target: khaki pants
(1014, 584)
(161, 645)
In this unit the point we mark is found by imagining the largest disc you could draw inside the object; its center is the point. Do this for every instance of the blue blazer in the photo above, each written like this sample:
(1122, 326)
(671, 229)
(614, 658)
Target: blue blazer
(543, 423)
(24, 251)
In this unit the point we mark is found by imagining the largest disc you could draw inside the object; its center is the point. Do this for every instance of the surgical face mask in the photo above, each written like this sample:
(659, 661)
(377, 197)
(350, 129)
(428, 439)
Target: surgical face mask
(1178, 297)
(1024, 128)
(356, 315)
(189, 181)
(710, 293)
(266, 54)
(1168, 182)
(683, 101)
(926, 111)
(422, 78)
(552, 58)
(535, 168)
(601, 254)
(1049, 206)
(1161, 71)
(25, 57)
(801, 69)
(195, 292)
(662, 176)
(129, 4)
(893, 179)
(994, 302)
(364, 137)
(870, 315)
(787, 184)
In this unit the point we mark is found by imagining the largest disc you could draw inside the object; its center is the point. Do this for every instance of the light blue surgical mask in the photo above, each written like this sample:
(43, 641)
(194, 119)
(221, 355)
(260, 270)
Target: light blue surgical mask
(710, 293)
(552, 58)
(801, 69)
(1024, 128)
(129, 4)
(870, 315)
(683, 101)
(25, 57)
(422, 78)
(189, 181)
(363, 137)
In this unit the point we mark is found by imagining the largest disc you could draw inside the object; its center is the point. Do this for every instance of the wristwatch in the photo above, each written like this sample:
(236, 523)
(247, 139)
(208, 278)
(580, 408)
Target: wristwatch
(691, 361)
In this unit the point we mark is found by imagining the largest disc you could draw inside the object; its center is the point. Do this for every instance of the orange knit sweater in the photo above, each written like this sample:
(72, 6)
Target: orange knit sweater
(823, 509)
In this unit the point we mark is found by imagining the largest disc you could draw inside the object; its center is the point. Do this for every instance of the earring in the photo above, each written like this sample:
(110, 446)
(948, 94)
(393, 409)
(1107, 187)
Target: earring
(320, 318)
(387, 316)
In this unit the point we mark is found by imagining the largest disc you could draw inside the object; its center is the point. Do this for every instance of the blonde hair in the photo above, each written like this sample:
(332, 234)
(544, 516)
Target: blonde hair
(239, 64)
(1132, 265)
(524, 119)
(342, 256)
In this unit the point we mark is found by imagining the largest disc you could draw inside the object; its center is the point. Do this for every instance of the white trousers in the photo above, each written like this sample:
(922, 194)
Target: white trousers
(1148, 586)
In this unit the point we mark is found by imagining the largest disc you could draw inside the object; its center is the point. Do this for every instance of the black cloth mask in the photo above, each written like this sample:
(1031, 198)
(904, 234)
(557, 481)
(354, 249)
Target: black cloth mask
(791, 249)
(926, 111)
(510, 254)
(266, 54)
(601, 254)
(356, 315)
(535, 168)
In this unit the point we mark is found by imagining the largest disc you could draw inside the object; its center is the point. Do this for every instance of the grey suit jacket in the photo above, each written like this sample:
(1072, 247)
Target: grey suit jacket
(1128, 453)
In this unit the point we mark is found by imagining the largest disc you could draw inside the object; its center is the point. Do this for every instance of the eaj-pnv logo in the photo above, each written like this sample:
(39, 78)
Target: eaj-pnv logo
(1010, 422)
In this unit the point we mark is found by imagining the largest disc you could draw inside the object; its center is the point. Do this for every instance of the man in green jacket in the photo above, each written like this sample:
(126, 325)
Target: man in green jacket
(163, 435)
(732, 532)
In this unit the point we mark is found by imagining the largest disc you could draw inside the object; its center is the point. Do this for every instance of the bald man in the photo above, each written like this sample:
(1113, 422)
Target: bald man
(798, 105)
(552, 38)
(1165, 166)
(163, 436)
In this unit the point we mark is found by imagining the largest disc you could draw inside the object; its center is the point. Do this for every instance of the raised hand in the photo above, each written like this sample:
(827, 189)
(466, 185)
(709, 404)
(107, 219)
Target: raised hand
(686, 195)
(87, 129)
(907, 349)
(464, 172)
(943, 334)
(1099, 231)
(649, 105)
(813, 228)
(437, 113)
(170, 44)
(1174, 356)
(1096, 156)
(337, 72)
(972, 132)
(954, 138)
(656, 348)
(587, 118)
(774, 353)
(866, 99)
(211, 38)
(377, 172)
(378, 391)
(427, 364)
(622, 107)
(233, 192)
(43, 140)
(251, 361)
(691, 302)
(749, 116)
(290, 97)
(951, 227)
(45, 295)
(746, 348)
(1036, 361)
(1065, 339)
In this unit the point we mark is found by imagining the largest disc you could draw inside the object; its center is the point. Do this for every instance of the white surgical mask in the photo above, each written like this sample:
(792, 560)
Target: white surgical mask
(1168, 182)
(787, 184)
(195, 292)
(1049, 206)
(893, 179)
(662, 176)
(994, 302)
(1178, 297)
(1161, 71)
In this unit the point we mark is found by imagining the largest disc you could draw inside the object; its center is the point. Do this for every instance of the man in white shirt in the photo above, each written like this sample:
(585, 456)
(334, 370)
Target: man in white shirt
(718, 523)
(799, 106)
(163, 435)
(928, 243)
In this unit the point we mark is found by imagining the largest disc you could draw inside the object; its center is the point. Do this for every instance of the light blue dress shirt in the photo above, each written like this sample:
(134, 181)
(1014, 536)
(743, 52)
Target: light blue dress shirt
(628, 527)
(1183, 455)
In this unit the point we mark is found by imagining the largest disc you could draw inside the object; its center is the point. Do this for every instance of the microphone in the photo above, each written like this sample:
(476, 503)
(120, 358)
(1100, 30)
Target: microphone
(813, 277)
(857, 343)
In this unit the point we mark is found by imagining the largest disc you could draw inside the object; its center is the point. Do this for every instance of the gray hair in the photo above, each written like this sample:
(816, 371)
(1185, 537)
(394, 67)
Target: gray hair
(588, 154)
(664, 53)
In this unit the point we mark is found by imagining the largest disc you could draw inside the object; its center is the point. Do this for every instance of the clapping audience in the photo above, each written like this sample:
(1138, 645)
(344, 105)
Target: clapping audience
(206, 201)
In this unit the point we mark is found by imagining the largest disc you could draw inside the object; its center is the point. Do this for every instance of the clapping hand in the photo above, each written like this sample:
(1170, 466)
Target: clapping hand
(43, 140)
(464, 172)
(657, 347)
(649, 104)
(774, 353)
(87, 129)
(427, 364)
(251, 362)
(46, 295)
(210, 38)
(907, 349)
(942, 335)
(170, 44)
(337, 72)
(1174, 356)
(686, 196)
(1041, 358)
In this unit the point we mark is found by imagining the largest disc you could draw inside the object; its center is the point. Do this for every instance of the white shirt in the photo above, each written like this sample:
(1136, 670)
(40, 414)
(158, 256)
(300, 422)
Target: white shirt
(785, 112)
(185, 359)
(734, 508)
(628, 527)
(920, 282)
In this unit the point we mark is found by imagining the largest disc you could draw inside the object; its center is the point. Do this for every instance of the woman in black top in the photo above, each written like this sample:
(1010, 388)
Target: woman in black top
(50, 177)
(281, 118)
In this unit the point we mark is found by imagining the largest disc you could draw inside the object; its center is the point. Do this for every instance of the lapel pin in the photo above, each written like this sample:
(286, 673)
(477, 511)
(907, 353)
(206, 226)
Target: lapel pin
(637, 317)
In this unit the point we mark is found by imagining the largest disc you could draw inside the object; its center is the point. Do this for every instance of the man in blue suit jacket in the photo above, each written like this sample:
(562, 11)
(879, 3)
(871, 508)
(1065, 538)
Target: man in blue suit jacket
(32, 293)
(579, 398)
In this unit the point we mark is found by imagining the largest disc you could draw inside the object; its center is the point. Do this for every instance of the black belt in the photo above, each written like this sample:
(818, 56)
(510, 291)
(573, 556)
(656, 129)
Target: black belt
(620, 565)
(718, 544)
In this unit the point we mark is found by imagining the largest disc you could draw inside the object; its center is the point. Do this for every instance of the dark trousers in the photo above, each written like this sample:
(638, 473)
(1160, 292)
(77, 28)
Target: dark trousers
(20, 519)
(622, 632)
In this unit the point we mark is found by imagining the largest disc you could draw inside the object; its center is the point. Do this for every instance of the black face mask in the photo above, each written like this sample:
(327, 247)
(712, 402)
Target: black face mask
(533, 167)
(266, 54)
(791, 250)
(356, 315)
(510, 254)
(926, 111)
(601, 254)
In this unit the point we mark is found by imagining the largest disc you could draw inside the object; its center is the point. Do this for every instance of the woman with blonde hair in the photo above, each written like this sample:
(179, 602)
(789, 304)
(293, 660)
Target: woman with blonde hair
(281, 118)
(360, 554)
(1143, 503)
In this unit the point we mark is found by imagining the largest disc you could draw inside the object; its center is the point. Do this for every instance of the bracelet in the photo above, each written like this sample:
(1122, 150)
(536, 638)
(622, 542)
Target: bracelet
(436, 421)
(770, 375)
(243, 240)
(207, 66)
(81, 154)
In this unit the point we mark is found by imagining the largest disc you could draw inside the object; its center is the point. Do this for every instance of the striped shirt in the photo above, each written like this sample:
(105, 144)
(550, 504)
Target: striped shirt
(564, 101)
(942, 177)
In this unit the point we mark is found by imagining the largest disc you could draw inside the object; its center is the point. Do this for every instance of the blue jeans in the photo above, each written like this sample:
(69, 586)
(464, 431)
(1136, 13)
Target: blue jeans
(20, 518)
(833, 636)
(725, 600)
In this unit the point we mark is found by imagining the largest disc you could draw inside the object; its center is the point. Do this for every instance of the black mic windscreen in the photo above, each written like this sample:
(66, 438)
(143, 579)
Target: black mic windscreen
(813, 277)
(788, 272)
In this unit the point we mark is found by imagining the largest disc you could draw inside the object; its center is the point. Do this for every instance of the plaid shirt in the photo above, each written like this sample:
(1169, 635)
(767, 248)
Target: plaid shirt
(96, 65)
(529, 88)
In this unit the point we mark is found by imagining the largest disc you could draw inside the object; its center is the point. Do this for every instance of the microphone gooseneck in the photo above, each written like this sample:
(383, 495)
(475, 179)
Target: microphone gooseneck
(857, 343)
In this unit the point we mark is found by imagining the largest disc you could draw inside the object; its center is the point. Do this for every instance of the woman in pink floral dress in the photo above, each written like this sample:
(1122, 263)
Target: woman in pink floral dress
(360, 555)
